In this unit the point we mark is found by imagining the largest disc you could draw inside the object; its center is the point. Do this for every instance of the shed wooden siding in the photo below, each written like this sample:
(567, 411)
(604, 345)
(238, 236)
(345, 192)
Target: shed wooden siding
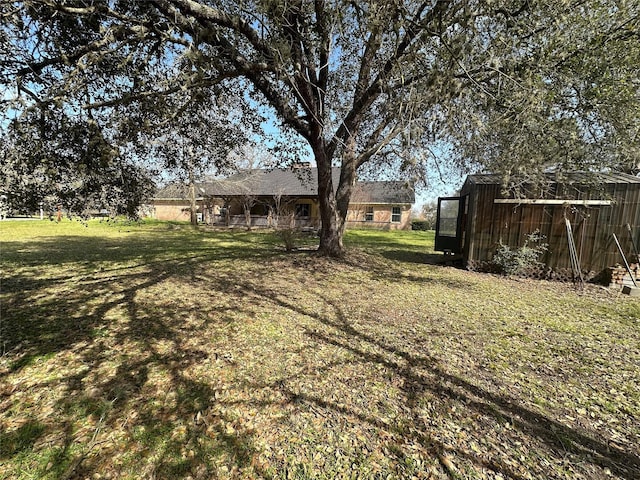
(488, 223)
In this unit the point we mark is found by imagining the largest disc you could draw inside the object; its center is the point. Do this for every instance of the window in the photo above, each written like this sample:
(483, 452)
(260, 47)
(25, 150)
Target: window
(396, 214)
(303, 210)
(368, 214)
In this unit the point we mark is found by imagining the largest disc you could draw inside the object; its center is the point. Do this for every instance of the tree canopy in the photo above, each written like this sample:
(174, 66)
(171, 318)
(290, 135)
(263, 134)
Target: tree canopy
(512, 86)
(51, 159)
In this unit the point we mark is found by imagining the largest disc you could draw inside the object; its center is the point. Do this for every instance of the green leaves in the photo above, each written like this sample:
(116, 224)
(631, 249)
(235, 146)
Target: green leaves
(551, 102)
(51, 159)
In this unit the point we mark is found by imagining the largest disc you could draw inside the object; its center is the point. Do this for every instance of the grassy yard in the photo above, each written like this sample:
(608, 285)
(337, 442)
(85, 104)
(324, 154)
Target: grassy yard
(156, 351)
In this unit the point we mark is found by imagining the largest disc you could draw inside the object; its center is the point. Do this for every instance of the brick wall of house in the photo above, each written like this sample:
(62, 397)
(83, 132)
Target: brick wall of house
(176, 210)
(357, 217)
(171, 210)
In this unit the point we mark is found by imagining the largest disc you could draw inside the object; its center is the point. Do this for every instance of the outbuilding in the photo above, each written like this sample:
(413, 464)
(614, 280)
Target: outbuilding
(586, 206)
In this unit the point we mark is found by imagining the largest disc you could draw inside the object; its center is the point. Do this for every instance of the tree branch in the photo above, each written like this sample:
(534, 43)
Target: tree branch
(256, 72)
(133, 97)
(376, 87)
(207, 14)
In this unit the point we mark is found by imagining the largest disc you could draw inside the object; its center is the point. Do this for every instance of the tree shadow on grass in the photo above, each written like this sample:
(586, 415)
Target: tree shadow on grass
(424, 373)
(144, 263)
(421, 258)
(130, 346)
(395, 246)
(86, 251)
(112, 392)
(21, 439)
(94, 404)
(381, 267)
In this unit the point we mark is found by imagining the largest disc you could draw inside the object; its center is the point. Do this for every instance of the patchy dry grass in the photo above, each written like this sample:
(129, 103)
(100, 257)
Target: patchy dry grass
(155, 351)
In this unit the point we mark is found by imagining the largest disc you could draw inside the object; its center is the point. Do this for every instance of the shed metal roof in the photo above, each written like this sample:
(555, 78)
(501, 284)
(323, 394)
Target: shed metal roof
(585, 178)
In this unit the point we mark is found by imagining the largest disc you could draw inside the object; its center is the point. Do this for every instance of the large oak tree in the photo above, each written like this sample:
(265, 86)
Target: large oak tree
(512, 85)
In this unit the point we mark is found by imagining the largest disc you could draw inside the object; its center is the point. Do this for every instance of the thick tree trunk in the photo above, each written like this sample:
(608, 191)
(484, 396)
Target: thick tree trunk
(347, 181)
(334, 204)
(332, 228)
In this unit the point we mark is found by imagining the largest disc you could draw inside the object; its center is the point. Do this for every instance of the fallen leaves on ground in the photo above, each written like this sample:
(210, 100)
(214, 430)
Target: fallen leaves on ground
(157, 353)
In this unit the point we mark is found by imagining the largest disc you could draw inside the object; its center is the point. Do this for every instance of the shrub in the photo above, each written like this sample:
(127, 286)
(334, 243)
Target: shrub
(421, 225)
(519, 260)
(288, 236)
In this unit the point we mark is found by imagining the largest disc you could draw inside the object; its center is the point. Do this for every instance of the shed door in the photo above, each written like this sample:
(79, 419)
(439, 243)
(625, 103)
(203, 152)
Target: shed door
(449, 224)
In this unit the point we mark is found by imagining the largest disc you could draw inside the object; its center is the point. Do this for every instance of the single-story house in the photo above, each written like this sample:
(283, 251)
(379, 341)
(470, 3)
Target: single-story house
(269, 197)
(595, 205)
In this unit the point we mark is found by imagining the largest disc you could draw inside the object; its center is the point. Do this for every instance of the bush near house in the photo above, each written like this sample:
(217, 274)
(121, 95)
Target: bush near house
(421, 225)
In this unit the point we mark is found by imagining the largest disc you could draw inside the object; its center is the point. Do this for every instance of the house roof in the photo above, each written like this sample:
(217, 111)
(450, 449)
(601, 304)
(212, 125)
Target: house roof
(585, 178)
(173, 191)
(383, 192)
(300, 182)
(179, 191)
